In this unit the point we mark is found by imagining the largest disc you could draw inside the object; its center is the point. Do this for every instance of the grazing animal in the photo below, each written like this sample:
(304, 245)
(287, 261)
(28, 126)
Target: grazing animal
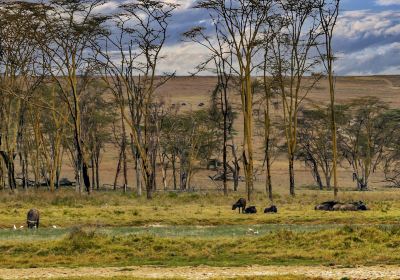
(272, 209)
(240, 204)
(326, 206)
(32, 219)
(250, 210)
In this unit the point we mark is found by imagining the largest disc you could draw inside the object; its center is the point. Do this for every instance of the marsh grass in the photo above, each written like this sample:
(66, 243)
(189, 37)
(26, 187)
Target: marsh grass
(67, 209)
(111, 229)
(345, 246)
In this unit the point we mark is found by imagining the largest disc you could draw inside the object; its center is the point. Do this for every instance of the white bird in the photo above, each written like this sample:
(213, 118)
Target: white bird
(14, 227)
(54, 226)
(21, 227)
(256, 232)
(250, 229)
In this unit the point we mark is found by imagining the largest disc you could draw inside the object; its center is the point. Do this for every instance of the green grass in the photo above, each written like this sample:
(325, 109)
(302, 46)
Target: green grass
(346, 246)
(67, 209)
(111, 229)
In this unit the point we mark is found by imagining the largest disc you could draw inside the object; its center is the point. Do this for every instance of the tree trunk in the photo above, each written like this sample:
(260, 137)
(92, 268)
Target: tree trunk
(268, 182)
(9, 162)
(315, 172)
(174, 170)
(97, 164)
(224, 158)
(291, 175)
(93, 172)
(236, 168)
(117, 171)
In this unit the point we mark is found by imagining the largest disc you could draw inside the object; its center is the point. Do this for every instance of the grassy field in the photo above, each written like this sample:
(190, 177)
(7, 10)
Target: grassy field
(111, 229)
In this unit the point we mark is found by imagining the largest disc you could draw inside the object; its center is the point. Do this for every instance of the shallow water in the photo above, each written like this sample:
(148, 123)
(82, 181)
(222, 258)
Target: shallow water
(171, 231)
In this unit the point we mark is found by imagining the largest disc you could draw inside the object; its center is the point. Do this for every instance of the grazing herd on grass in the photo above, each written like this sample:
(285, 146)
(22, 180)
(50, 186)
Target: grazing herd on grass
(32, 219)
(241, 205)
(325, 206)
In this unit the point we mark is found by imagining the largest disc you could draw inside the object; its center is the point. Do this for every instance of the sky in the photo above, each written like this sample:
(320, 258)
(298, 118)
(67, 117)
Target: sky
(367, 40)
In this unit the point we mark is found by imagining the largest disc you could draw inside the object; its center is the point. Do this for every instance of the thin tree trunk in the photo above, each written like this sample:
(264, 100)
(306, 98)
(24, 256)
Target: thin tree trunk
(118, 170)
(291, 176)
(174, 170)
(93, 172)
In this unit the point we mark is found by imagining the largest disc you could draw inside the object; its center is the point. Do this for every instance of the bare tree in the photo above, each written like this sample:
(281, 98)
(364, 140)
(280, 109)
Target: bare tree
(18, 81)
(329, 12)
(220, 60)
(293, 59)
(238, 23)
(67, 33)
(130, 59)
(364, 138)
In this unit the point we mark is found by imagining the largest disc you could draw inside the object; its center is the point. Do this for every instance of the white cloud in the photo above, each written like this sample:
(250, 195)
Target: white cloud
(387, 2)
(371, 61)
(182, 58)
(364, 23)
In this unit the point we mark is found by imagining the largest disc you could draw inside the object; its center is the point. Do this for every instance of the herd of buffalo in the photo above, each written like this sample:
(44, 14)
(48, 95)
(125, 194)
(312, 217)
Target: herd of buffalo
(32, 219)
(325, 206)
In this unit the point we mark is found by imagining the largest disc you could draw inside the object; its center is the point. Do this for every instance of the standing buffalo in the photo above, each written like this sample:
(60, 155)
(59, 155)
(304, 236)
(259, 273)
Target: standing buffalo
(241, 204)
(32, 218)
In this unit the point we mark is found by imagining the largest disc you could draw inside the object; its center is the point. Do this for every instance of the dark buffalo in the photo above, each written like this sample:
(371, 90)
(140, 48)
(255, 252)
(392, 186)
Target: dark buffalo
(352, 206)
(250, 210)
(326, 206)
(272, 209)
(32, 218)
(241, 204)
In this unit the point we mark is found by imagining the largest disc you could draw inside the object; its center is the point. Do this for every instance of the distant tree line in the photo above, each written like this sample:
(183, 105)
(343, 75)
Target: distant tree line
(74, 80)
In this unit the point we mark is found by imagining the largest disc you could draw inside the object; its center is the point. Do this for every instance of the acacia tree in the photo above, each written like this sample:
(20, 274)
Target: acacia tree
(292, 57)
(68, 31)
(364, 138)
(129, 62)
(315, 147)
(391, 162)
(220, 60)
(18, 81)
(238, 23)
(328, 14)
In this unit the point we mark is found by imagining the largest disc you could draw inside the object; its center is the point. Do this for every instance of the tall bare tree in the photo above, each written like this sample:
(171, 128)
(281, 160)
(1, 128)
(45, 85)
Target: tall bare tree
(130, 61)
(18, 80)
(238, 24)
(329, 12)
(68, 31)
(292, 51)
(220, 60)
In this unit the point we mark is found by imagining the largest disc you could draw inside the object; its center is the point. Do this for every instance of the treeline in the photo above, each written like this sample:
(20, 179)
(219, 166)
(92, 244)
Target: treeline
(74, 79)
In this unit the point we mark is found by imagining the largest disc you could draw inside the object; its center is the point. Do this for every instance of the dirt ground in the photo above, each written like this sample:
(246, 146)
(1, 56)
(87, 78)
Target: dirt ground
(204, 272)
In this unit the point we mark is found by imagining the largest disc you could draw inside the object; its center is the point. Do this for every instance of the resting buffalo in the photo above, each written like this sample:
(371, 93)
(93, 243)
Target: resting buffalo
(353, 206)
(338, 206)
(250, 210)
(32, 218)
(326, 206)
(241, 204)
(272, 209)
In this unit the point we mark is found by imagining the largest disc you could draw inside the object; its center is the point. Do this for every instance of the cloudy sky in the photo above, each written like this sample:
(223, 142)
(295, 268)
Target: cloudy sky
(367, 38)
